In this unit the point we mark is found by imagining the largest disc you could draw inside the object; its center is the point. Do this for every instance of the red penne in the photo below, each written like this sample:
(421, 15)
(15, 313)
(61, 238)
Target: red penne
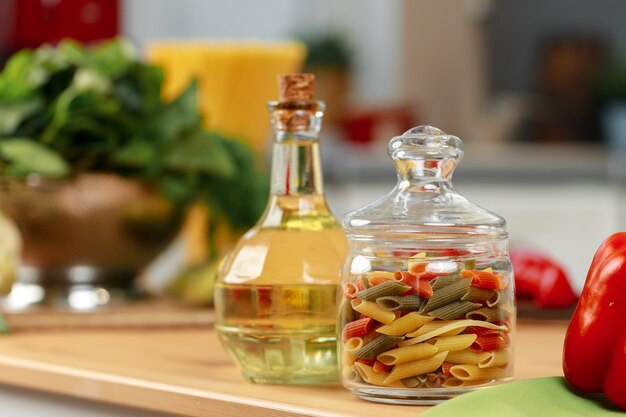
(357, 328)
(479, 331)
(489, 342)
(381, 367)
(417, 268)
(406, 278)
(429, 276)
(418, 286)
(424, 289)
(360, 283)
(349, 289)
(375, 280)
(445, 369)
(486, 280)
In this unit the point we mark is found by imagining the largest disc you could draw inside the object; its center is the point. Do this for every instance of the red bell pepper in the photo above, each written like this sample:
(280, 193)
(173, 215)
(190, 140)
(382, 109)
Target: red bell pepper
(541, 279)
(594, 353)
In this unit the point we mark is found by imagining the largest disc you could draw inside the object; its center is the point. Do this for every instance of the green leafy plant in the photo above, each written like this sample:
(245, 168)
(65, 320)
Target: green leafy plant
(68, 109)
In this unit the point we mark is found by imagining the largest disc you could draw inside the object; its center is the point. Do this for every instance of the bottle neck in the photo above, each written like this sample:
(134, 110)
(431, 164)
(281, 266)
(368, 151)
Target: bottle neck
(296, 166)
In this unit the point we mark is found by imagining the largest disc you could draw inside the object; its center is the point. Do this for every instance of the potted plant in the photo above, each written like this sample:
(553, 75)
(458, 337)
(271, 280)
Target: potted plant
(97, 170)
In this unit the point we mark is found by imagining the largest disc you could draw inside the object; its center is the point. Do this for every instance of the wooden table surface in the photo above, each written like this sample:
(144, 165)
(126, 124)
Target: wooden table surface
(186, 372)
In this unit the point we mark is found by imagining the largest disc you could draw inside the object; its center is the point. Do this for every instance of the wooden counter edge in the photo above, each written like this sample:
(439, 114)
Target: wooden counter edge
(146, 395)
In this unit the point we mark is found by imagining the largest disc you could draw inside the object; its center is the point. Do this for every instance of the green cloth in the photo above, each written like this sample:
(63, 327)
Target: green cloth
(4, 327)
(529, 398)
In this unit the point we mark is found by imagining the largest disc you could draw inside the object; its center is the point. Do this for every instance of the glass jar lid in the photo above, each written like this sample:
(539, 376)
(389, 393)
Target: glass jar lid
(424, 203)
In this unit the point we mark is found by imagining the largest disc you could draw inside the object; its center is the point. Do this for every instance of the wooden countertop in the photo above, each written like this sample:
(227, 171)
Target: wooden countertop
(186, 372)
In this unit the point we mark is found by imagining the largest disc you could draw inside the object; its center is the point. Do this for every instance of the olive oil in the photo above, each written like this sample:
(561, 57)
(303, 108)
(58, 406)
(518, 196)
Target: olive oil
(276, 296)
(281, 333)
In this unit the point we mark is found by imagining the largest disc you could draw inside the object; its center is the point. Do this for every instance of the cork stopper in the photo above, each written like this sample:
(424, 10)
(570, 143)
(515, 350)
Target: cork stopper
(297, 87)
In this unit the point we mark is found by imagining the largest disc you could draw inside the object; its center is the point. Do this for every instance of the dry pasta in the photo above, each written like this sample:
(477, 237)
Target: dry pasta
(396, 303)
(454, 310)
(407, 354)
(409, 328)
(446, 295)
(352, 344)
(381, 290)
(371, 309)
(368, 375)
(473, 372)
(455, 343)
(348, 373)
(418, 367)
(404, 324)
(377, 346)
(496, 358)
(467, 357)
(451, 325)
(486, 313)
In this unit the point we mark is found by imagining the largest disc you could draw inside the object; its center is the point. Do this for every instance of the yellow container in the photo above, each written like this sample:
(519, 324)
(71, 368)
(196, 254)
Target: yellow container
(236, 80)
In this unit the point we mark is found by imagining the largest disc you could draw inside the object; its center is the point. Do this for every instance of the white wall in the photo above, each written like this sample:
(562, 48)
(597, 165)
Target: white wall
(373, 28)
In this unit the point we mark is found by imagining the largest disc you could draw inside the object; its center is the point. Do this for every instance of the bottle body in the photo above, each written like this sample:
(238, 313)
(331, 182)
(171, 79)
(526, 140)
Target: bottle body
(276, 295)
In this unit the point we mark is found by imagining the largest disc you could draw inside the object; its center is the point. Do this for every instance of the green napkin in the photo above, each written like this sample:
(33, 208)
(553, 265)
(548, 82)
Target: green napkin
(529, 398)
(4, 327)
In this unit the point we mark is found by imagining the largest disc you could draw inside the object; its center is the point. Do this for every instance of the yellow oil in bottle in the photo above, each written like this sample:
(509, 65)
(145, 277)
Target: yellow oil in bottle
(277, 304)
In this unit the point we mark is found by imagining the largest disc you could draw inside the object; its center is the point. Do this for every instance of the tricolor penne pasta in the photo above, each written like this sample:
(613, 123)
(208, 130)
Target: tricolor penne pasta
(431, 323)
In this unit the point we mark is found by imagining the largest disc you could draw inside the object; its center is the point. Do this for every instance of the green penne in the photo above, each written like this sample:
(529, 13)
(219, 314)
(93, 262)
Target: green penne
(446, 295)
(489, 314)
(377, 346)
(445, 280)
(454, 310)
(498, 296)
(400, 303)
(381, 290)
(478, 295)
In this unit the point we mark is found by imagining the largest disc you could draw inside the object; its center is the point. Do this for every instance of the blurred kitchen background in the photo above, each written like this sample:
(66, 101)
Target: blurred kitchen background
(536, 89)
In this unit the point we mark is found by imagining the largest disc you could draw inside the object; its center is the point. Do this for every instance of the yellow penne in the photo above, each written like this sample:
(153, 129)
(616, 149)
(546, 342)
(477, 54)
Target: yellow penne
(407, 354)
(419, 367)
(352, 344)
(455, 343)
(449, 326)
(473, 372)
(348, 373)
(496, 358)
(405, 324)
(452, 383)
(421, 255)
(371, 309)
(467, 357)
(375, 378)
(347, 357)
(431, 326)
(384, 274)
(459, 383)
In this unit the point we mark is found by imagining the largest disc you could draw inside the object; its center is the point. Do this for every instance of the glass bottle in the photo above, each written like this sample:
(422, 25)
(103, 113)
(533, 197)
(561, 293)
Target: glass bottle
(428, 305)
(277, 290)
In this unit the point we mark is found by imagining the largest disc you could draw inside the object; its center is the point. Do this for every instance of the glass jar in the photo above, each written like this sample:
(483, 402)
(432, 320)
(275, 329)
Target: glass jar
(428, 305)
(277, 290)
